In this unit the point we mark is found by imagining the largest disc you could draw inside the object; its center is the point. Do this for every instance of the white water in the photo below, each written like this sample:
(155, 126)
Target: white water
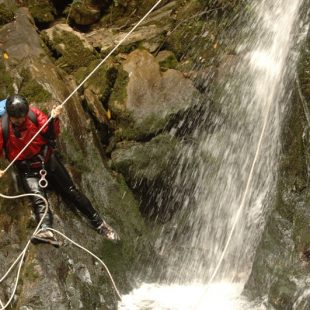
(255, 94)
(223, 296)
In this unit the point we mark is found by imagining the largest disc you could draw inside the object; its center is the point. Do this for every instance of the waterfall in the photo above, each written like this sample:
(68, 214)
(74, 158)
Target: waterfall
(234, 176)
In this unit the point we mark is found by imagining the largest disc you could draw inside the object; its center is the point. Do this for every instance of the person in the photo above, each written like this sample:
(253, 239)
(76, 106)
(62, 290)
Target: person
(39, 165)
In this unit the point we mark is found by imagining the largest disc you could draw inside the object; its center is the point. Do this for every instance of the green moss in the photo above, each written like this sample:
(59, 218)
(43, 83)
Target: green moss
(6, 82)
(32, 90)
(7, 14)
(119, 94)
(41, 11)
(170, 62)
(102, 81)
(73, 54)
(179, 39)
(30, 273)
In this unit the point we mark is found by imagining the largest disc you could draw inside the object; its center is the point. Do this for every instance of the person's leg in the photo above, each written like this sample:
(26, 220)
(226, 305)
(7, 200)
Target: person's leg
(30, 184)
(60, 179)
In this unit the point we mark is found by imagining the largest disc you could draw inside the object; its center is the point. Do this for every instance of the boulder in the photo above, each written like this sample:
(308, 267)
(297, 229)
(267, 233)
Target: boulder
(148, 168)
(72, 49)
(106, 38)
(149, 99)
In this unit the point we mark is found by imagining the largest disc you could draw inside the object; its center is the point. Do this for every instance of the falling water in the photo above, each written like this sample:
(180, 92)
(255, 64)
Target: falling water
(234, 179)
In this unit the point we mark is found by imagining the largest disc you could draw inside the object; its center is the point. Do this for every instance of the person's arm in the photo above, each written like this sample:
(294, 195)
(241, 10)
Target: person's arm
(52, 130)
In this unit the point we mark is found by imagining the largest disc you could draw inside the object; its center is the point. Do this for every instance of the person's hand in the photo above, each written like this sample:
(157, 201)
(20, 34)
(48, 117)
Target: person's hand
(2, 172)
(57, 109)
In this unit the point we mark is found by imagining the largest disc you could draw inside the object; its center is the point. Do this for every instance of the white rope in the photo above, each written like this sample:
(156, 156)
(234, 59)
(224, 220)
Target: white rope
(22, 254)
(92, 254)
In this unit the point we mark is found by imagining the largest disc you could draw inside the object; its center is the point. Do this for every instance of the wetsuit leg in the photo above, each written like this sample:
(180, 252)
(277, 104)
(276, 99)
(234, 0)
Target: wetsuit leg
(60, 179)
(31, 185)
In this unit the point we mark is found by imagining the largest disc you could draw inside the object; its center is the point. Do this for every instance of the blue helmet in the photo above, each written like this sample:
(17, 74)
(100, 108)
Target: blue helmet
(17, 106)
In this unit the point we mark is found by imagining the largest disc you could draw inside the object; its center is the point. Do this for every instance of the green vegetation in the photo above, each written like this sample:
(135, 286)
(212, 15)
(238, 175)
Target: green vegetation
(119, 95)
(32, 90)
(73, 53)
(42, 11)
(7, 14)
(74, 2)
(6, 82)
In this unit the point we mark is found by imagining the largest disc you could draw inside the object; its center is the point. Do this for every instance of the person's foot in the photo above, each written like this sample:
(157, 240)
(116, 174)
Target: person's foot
(107, 231)
(45, 236)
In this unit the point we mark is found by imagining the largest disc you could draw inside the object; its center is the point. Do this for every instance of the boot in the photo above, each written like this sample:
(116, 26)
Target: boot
(103, 228)
(107, 231)
(45, 236)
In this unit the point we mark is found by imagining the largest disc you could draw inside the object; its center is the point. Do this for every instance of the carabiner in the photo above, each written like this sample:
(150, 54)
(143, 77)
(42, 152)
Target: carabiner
(43, 182)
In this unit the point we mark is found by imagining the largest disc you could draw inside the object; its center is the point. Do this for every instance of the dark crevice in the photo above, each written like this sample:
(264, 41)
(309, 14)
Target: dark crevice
(111, 76)
(104, 133)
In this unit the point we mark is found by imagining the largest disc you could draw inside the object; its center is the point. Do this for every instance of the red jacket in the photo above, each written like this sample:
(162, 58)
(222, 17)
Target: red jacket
(27, 131)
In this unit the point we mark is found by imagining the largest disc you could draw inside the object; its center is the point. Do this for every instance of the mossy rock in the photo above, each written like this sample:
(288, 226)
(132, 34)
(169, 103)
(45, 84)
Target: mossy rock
(85, 12)
(145, 160)
(6, 82)
(32, 90)
(282, 292)
(71, 51)
(7, 13)
(42, 11)
(167, 60)
(102, 81)
(116, 101)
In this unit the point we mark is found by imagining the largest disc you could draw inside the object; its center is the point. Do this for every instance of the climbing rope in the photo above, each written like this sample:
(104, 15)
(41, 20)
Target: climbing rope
(92, 254)
(22, 254)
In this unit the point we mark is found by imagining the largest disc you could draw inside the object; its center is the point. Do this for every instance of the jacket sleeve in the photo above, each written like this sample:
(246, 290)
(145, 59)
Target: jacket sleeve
(52, 130)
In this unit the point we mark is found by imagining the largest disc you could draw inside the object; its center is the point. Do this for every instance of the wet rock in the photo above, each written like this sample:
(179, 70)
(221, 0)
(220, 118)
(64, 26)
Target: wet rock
(150, 98)
(167, 60)
(279, 266)
(149, 169)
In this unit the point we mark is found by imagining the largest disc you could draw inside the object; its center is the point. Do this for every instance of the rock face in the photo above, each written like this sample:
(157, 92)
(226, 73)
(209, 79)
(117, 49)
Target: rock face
(280, 268)
(71, 275)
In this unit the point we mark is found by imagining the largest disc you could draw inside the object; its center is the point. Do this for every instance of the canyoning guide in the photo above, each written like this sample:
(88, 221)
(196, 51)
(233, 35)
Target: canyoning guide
(39, 167)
